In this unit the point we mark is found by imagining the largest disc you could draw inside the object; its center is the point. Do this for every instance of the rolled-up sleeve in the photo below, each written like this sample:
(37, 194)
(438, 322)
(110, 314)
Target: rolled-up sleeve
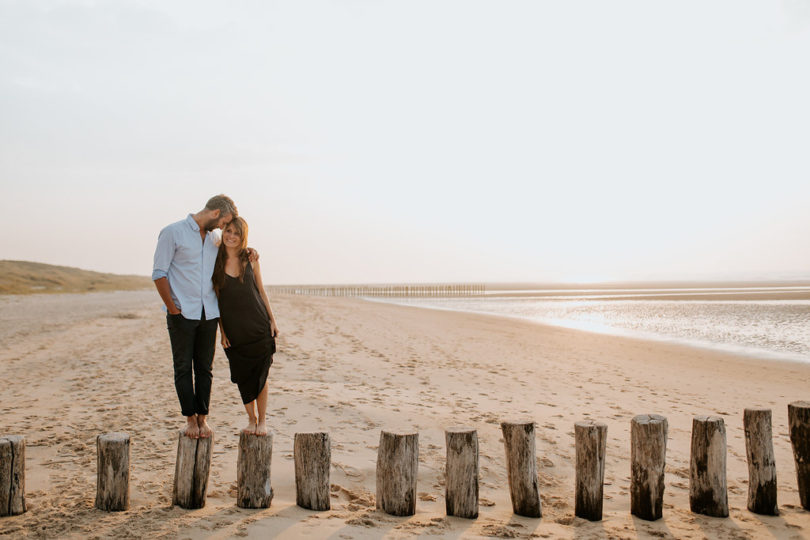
(164, 252)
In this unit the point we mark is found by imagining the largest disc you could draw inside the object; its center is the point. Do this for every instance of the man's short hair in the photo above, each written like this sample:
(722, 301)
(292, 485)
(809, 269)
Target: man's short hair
(223, 203)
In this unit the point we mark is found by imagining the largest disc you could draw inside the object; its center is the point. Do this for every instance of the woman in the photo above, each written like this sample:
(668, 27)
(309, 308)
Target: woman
(246, 322)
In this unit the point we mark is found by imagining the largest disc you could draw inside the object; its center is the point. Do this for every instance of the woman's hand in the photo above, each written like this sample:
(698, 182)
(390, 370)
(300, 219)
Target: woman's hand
(273, 329)
(225, 343)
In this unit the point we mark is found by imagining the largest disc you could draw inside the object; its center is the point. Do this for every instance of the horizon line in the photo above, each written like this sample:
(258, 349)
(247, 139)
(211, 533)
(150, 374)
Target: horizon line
(800, 279)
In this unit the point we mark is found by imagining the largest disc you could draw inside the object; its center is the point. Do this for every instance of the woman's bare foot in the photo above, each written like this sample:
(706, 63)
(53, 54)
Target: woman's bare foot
(250, 428)
(205, 429)
(192, 429)
(261, 429)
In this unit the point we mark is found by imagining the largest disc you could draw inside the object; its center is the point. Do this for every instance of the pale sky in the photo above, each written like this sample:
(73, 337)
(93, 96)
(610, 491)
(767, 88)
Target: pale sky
(381, 141)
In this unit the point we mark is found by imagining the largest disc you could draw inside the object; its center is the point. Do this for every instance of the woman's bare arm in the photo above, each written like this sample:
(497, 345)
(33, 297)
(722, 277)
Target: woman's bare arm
(223, 338)
(259, 285)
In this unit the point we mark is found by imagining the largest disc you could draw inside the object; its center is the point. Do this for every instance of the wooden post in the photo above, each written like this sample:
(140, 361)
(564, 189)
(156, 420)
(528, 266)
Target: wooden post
(397, 465)
(708, 493)
(799, 421)
(648, 452)
(461, 483)
(191, 471)
(12, 475)
(253, 488)
(112, 480)
(761, 463)
(521, 467)
(591, 438)
(313, 458)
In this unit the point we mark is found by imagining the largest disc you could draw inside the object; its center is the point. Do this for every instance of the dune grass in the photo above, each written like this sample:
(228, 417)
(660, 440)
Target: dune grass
(25, 277)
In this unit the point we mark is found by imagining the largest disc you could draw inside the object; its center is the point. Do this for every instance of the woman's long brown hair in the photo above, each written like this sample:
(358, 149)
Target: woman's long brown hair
(218, 278)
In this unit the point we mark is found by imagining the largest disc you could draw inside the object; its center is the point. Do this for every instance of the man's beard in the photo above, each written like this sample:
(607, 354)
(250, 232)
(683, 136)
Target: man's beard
(211, 225)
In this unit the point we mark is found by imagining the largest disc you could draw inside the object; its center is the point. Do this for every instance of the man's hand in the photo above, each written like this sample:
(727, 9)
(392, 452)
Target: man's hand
(165, 293)
(253, 255)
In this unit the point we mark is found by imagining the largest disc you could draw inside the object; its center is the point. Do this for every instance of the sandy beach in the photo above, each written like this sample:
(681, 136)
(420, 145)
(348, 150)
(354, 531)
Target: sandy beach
(75, 366)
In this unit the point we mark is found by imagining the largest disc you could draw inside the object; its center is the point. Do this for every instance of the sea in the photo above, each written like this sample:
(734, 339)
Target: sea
(771, 322)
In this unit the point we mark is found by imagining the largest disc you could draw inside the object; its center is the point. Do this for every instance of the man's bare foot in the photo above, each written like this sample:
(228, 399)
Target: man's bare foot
(250, 428)
(192, 430)
(261, 429)
(205, 429)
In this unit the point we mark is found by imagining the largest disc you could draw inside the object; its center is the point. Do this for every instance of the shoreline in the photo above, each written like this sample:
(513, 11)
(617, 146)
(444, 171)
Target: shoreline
(698, 346)
(353, 368)
(763, 296)
(734, 350)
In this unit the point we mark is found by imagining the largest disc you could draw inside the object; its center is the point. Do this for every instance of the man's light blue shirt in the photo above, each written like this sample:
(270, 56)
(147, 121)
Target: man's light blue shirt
(187, 261)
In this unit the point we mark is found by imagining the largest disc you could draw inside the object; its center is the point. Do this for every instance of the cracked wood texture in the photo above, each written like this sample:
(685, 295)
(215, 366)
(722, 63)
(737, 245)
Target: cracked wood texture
(397, 466)
(799, 421)
(590, 440)
(12, 475)
(253, 470)
(191, 471)
(313, 458)
(648, 452)
(461, 482)
(521, 467)
(708, 489)
(761, 462)
(112, 478)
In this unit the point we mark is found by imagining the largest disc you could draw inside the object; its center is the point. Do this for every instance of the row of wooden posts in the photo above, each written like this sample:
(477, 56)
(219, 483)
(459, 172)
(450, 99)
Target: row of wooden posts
(465, 289)
(398, 458)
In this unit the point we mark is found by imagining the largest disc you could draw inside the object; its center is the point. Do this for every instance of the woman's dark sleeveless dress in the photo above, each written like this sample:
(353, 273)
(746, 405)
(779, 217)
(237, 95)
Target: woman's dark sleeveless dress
(247, 327)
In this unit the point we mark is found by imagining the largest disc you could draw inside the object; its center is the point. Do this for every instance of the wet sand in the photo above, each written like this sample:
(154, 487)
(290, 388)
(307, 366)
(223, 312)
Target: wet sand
(74, 366)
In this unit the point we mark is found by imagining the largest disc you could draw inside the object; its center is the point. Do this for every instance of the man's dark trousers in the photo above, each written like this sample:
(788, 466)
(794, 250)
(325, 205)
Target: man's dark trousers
(193, 345)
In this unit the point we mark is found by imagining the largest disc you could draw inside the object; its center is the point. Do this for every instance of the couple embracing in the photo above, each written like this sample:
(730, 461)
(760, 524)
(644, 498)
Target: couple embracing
(207, 277)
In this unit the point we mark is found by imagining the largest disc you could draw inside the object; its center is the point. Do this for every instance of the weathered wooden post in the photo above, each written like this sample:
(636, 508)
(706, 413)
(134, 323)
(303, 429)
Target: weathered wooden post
(397, 464)
(191, 471)
(12, 475)
(708, 490)
(461, 483)
(112, 479)
(591, 439)
(648, 454)
(313, 458)
(761, 463)
(521, 467)
(799, 421)
(253, 489)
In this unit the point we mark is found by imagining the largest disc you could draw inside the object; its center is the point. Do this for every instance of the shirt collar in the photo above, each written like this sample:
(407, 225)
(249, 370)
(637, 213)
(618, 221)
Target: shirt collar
(192, 223)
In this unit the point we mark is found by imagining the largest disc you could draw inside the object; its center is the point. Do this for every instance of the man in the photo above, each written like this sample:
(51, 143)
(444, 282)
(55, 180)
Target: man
(184, 262)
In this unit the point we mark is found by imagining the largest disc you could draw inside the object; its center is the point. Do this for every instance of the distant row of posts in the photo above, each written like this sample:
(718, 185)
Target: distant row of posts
(438, 290)
(398, 462)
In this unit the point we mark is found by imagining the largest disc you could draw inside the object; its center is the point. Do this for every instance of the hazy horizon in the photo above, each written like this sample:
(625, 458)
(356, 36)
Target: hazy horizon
(396, 142)
(792, 283)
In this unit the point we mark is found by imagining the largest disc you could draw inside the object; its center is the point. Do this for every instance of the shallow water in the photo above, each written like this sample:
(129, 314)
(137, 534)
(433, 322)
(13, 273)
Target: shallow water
(766, 328)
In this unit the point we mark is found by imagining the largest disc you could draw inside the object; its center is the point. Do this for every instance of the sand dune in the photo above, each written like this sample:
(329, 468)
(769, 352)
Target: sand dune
(78, 365)
(25, 277)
